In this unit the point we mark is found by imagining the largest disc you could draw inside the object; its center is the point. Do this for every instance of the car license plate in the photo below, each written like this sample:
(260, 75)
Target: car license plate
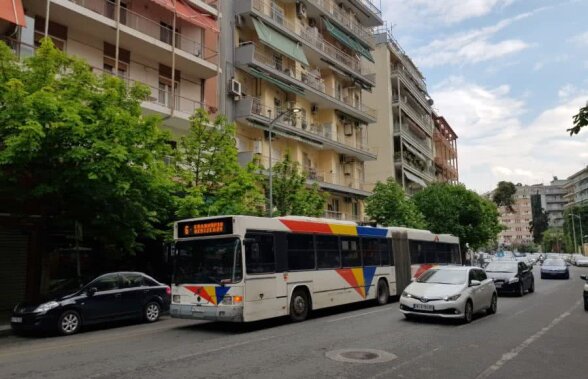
(424, 307)
(16, 319)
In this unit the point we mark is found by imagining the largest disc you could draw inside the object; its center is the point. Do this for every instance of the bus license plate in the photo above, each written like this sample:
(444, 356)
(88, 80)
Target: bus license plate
(197, 309)
(424, 307)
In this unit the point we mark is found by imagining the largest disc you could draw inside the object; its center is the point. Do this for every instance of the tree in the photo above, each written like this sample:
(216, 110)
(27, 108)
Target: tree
(389, 205)
(554, 240)
(580, 120)
(76, 148)
(213, 181)
(291, 195)
(504, 195)
(538, 225)
(451, 208)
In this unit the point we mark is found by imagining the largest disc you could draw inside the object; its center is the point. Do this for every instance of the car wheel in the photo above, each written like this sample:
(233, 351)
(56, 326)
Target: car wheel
(468, 313)
(493, 305)
(383, 294)
(532, 287)
(69, 323)
(299, 306)
(542, 277)
(567, 276)
(152, 311)
(521, 290)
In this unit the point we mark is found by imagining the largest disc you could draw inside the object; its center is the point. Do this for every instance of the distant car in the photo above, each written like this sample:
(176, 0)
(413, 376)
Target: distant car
(511, 277)
(113, 296)
(585, 277)
(555, 268)
(581, 261)
(449, 292)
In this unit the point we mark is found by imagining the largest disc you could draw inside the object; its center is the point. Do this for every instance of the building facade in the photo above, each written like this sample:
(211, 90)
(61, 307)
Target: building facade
(555, 200)
(518, 219)
(577, 188)
(403, 134)
(446, 168)
(314, 57)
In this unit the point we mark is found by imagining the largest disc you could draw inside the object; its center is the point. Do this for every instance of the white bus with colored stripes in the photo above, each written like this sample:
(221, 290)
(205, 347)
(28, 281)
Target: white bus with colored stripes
(245, 268)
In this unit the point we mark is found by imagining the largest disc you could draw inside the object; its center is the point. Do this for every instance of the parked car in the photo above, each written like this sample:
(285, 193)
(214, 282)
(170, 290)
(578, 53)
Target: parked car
(555, 268)
(449, 292)
(581, 261)
(585, 277)
(112, 296)
(511, 277)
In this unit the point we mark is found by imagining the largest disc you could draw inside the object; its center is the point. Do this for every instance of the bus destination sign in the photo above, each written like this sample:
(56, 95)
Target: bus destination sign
(205, 228)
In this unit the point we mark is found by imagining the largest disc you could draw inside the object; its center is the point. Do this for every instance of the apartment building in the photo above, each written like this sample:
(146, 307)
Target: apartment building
(577, 188)
(314, 57)
(169, 45)
(517, 220)
(555, 202)
(445, 139)
(404, 132)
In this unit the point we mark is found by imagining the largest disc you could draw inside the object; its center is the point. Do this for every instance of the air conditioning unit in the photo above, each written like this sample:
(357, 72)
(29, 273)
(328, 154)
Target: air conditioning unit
(235, 89)
(257, 147)
(347, 169)
(304, 124)
(300, 9)
(314, 108)
(347, 129)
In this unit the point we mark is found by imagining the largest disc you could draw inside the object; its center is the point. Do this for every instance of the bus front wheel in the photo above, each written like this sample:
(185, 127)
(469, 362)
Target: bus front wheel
(299, 306)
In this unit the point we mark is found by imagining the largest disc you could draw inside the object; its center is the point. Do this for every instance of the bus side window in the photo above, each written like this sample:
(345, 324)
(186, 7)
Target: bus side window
(259, 253)
(417, 255)
(350, 255)
(300, 252)
(327, 252)
(386, 252)
(370, 250)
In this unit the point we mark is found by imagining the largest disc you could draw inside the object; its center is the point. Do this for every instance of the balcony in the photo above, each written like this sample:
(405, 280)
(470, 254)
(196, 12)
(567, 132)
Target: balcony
(208, 6)
(309, 36)
(413, 85)
(423, 120)
(303, 130)
(249, 55)
(406, 133)
(97, 17)
(345, 20)
(335, 215)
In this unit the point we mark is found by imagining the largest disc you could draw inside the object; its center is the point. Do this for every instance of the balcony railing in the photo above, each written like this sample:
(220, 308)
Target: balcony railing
(414, 87)
(408, 134)
(308, 78)
(149, 27)
(310, 35)
(331, 8)
(371, 6)
(425, 121)
(323, 130)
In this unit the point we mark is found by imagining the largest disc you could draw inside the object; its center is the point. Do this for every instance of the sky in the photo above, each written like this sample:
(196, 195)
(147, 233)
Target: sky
(508, 75)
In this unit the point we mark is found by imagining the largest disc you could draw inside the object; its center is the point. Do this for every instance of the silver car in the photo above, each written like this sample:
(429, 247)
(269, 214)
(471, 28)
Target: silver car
(449, 292)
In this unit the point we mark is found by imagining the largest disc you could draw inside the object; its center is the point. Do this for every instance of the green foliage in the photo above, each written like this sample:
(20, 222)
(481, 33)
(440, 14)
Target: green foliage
(291, 195)
(213, 181)
(390, 206)
(525, 247)
(504, 195)
(538, 225)
(580, 120)
(76, 147)
(554, 240)
(579, 224)
(451, 208)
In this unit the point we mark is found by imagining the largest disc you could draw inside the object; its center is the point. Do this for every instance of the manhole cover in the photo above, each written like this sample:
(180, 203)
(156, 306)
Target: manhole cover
(360, 356)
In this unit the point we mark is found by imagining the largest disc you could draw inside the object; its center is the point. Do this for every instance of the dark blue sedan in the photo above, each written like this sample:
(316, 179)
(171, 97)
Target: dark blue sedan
(113, 296)
(555, 268)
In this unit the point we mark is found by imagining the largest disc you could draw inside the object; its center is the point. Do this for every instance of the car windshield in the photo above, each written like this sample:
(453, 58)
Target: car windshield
(554, 262)
(502, 267)
(208, 261)
(443, 277)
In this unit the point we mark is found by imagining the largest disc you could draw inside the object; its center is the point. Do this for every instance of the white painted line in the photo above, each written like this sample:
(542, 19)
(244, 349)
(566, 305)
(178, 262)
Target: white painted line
(360, 315)
(526, 343)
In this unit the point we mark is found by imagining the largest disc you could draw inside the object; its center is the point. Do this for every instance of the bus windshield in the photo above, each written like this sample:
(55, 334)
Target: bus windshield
(205, 261)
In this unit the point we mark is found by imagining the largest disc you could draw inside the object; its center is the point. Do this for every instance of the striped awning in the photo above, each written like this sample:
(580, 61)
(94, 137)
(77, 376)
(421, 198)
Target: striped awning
(348, 41)
(414, 178)
(278, 83)
(189, 14)
(12, 11)
(279, 42)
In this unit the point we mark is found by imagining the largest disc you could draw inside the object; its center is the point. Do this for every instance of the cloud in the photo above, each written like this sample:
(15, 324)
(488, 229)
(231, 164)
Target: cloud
(496, 144)
(472, 46)
(581, 40)
(412, 13)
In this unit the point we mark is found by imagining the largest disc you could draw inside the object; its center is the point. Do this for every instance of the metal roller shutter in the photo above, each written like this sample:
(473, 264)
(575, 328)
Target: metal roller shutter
(13, 267)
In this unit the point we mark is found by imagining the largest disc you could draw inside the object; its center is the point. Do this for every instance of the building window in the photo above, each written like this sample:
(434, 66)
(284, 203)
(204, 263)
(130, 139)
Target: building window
(110, 10)
(164, 96)
(166, 34)
(109, 60)
(57, 33)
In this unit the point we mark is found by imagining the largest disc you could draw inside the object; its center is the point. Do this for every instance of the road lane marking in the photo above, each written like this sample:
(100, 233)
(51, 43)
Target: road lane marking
(512, 354)
(359, 315)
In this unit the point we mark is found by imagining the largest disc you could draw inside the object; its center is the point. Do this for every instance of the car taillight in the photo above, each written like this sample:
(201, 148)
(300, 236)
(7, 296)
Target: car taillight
(168, 290)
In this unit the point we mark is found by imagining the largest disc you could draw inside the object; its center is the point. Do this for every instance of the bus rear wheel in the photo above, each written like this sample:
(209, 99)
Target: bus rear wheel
(299, 306)
(383, 294)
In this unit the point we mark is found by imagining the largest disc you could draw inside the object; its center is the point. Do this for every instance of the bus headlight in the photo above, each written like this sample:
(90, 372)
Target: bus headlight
(231, 300)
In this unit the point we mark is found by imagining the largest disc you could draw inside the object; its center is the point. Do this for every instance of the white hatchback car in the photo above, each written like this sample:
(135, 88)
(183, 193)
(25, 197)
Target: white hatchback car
(449, 292)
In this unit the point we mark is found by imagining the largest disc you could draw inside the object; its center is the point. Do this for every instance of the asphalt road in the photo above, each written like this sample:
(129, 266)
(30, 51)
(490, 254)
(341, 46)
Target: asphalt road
(542, 335)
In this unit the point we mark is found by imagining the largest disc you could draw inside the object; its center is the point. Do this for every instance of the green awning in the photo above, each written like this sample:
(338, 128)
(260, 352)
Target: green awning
(280, 42)
(348, 41)
(285, 86)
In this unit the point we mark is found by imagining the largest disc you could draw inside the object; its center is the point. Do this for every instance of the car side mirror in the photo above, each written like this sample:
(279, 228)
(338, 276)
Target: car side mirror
(475, 283)
(91, 291)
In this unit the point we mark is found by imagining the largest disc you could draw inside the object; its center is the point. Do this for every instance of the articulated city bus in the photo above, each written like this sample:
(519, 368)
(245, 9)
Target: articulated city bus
(244, 268)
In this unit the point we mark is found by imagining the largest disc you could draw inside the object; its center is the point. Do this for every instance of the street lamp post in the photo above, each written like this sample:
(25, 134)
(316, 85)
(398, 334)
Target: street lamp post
(574, 234)
(270, 127)
(581, 233)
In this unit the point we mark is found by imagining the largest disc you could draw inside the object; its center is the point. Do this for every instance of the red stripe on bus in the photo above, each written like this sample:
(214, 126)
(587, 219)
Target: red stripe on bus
(306, 226)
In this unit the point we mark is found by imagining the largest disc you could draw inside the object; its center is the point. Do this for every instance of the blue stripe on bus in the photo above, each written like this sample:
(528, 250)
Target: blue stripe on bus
(371, 232)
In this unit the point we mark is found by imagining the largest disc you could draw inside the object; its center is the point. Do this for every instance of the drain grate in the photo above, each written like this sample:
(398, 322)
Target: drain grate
(360, 356)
